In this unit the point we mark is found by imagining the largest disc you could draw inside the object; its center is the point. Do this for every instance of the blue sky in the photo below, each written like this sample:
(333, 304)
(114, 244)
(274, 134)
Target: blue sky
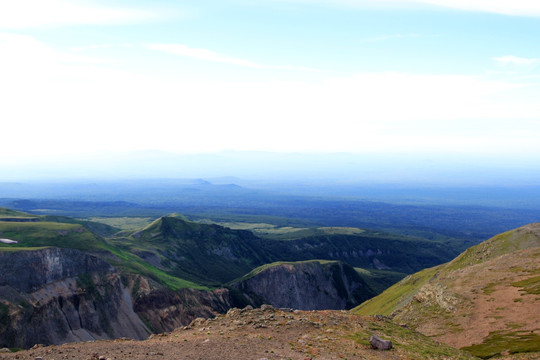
(363, 76)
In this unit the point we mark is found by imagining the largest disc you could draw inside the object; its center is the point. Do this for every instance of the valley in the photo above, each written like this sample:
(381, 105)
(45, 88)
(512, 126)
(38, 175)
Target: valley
(70, 280)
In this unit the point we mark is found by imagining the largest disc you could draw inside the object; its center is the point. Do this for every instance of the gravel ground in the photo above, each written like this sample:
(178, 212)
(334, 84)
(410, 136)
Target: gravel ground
(259, 334)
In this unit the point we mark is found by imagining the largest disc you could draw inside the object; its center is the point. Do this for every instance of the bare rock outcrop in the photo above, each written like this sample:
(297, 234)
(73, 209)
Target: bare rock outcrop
(54, 296)
(310, 285)
(380, 344)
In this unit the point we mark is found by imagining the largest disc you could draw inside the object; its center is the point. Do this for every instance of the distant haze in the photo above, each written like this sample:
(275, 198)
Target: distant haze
(307, 168)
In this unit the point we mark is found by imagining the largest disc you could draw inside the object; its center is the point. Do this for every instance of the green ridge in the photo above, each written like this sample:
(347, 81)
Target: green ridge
(74, 234)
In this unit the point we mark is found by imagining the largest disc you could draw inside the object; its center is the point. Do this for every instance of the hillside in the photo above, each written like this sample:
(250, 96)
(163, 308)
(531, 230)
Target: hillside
(486, 300)
(206, 254)
(212, 255)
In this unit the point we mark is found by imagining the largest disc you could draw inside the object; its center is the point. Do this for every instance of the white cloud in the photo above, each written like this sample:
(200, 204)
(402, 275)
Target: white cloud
(514, 7)
(101, 46)
(25, 52)
(52, 106)
(515, 60)
(212, 56)
(396, 36)
(21, 14)
(507, 7)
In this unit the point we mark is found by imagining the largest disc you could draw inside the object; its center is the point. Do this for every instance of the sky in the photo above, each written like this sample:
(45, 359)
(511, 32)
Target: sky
(360, 76)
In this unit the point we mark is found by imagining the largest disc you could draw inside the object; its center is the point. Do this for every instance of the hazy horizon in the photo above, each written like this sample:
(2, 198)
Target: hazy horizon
(273, 167)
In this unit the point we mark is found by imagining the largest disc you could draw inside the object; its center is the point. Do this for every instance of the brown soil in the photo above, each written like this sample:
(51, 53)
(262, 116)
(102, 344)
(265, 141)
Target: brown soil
(260, 334)
(487, 300)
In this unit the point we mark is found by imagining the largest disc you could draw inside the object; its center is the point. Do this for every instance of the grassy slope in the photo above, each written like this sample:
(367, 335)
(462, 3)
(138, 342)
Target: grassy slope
(401, 293)
(275, 232)
(51, 234)
(100, 229)
(41, 234)
(409, 344)
(7, 213)
(207, 254)
(505, 243)
(505, 256)
(397, 295)
(124, 222)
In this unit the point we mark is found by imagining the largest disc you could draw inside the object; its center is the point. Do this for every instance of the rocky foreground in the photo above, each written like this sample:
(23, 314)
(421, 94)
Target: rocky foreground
(264, 333)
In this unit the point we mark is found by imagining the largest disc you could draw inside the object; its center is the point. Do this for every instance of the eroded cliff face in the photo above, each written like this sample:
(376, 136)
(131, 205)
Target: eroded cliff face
(307, 286)
(27, 271)
(54, 296)
(165, 310)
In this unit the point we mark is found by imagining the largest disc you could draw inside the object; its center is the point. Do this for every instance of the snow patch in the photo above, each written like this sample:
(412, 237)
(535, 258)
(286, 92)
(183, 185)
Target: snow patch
(8, 241)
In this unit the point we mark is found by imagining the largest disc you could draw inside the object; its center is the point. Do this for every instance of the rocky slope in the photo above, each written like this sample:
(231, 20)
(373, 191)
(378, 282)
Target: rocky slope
(53, 296)
(264, 333)
(486, 300)
(163, 309)
(308, 285)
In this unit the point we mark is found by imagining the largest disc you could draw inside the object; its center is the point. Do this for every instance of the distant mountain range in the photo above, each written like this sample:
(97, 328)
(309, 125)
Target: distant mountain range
(346, 168)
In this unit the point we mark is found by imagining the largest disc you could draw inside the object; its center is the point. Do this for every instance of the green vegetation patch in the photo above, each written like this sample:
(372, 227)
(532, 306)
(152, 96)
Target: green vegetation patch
(498, 245)
(7, 213)
(95, 227)
(267, 230)
(292, 233)
(124, 223)
(530, 285)
(49, 234)
(489, 289)
(361, 337)
(379, 280)
(4, 248)
(86, 283)
(408, 342)
(513, 342)
(134, 264)
(43, 234)
(397, 295)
